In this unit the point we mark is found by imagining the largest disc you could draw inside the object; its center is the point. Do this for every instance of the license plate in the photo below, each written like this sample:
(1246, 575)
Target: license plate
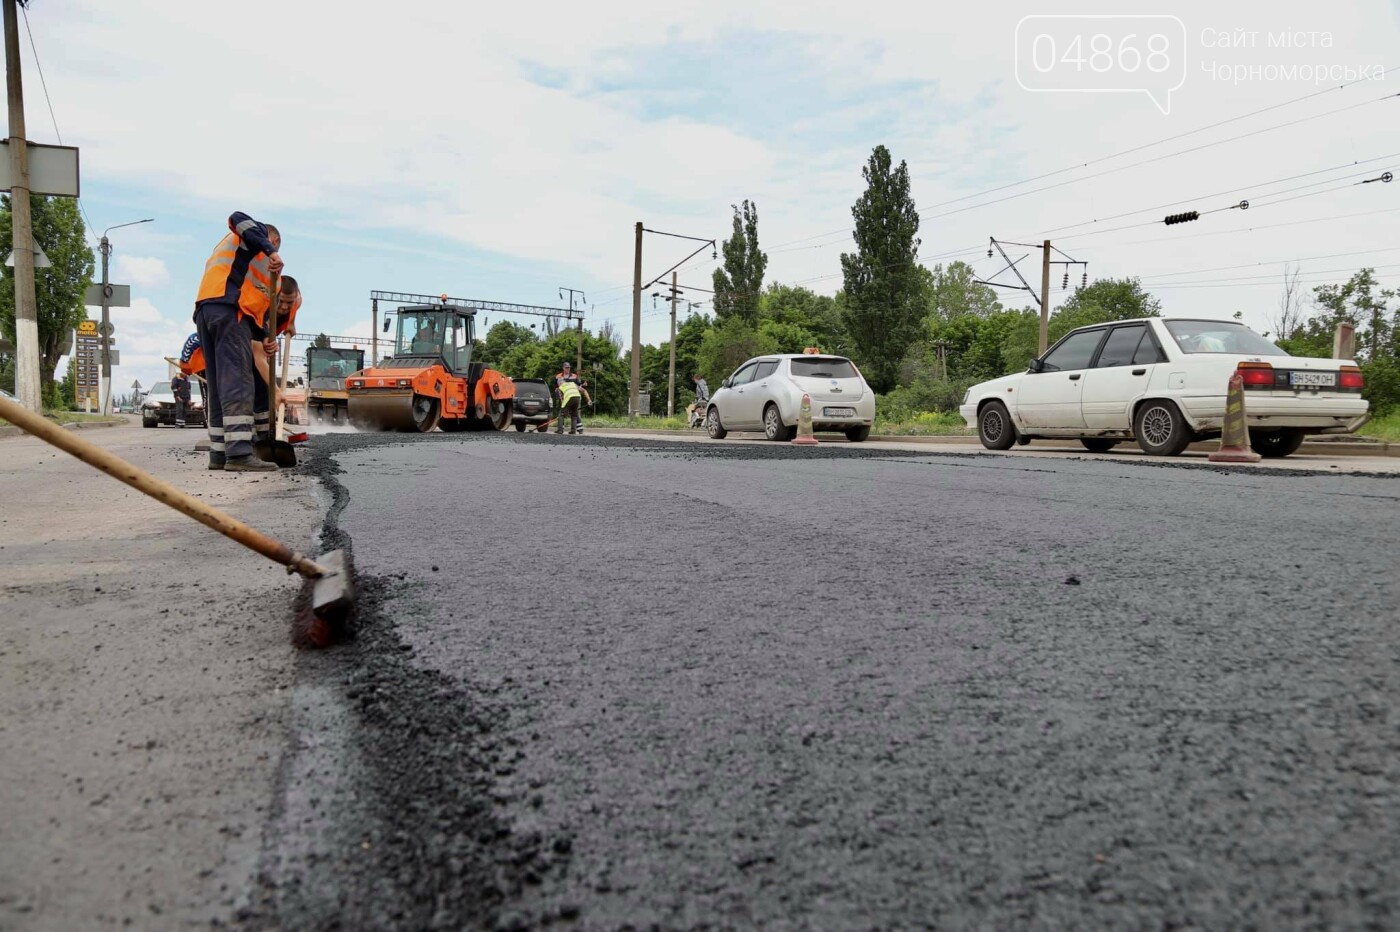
(838, 412)
(1312, 378)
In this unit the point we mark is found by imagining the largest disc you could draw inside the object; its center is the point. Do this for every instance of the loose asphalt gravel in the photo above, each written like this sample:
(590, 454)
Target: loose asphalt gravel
(605, 684)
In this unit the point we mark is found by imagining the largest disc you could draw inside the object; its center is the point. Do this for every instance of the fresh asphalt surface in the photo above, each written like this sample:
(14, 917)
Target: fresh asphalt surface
(605, 683)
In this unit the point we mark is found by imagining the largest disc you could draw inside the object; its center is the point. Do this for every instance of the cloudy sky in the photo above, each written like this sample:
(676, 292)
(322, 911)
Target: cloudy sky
(502, 152)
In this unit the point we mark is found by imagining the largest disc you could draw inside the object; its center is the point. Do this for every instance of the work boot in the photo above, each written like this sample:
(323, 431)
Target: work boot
(248, 463)
(216, 460)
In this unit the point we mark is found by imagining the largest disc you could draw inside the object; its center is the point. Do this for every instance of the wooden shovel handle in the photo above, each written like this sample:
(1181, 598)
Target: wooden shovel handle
(161, 491)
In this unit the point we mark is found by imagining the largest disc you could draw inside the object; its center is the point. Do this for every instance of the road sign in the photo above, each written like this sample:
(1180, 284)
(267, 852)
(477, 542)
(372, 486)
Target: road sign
(116, 357)
(136, 386)
(107, 328)
(117, 296)
(41, 261)
(53, 170)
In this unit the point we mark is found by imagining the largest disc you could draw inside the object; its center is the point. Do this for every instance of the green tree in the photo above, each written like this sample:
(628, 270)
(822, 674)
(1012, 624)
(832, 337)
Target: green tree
(954, 292)
(726, 346)
(883, 288)
(321, 342)
(740, 283)
(1103, 300)
(59, 289)
(68, 386)
(814, 313)
(501, 339)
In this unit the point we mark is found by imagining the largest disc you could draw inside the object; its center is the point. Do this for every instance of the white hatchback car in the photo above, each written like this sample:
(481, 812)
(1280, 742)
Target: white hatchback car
(766, 392)
(1163, 383)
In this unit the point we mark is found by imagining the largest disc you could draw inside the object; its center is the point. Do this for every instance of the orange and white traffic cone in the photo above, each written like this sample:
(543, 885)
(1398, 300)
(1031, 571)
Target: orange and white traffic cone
(804, 423)
(1234, 433)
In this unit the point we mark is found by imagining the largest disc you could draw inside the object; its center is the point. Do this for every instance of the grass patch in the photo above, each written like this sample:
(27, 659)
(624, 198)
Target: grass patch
(1383, 428)
(923, 424)
(643, 422)
(72, 417)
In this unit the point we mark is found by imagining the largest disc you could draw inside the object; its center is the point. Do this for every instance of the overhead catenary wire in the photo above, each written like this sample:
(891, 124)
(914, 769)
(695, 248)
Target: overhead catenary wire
(43, 83)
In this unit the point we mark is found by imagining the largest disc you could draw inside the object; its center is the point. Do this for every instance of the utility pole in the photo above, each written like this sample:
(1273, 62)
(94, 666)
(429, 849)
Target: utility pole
(374, 331)
(26, 314)
(636, 330)
(104, 391)
(671, 385)
(1044, 298)
(578, 361)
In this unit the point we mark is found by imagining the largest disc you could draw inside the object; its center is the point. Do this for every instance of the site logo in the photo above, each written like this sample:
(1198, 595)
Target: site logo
(1110, 54)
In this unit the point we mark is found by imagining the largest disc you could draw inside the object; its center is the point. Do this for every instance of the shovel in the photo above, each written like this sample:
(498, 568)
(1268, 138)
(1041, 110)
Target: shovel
(274, 449)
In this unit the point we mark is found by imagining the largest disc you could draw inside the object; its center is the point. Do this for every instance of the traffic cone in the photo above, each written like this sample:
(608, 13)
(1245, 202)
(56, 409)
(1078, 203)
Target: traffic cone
(804, 423)
(1234, 433)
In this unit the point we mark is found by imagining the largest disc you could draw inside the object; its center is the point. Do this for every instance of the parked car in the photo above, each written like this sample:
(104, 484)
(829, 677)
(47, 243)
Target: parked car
(1163, 383)
(533, 402)
(765, 394)
(159, 405)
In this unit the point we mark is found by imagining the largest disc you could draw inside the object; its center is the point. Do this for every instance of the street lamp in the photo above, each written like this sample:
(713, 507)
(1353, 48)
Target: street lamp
(105, 331)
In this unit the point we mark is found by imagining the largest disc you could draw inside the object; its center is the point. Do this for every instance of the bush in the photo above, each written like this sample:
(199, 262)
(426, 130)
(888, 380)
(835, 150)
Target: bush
(1382, 385)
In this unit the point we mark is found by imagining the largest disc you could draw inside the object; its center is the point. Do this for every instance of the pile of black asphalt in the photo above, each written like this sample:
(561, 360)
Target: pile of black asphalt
(605, 683)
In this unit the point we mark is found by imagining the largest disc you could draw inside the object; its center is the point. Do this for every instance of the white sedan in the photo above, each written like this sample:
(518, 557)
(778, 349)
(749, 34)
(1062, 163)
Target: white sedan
(766, 392)
(1163, 383)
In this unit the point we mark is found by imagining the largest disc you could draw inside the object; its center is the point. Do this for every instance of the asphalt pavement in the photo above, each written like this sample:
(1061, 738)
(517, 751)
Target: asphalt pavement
(609, 683)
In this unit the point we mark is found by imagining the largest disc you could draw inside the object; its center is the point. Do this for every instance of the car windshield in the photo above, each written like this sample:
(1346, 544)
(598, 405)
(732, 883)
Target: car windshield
(333, 363)
(531, 388)
(161, 388)
(1219, 336)
(823, 367)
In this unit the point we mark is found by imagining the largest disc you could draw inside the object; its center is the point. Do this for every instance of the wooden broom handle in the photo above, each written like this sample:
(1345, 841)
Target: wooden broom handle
(161, 491)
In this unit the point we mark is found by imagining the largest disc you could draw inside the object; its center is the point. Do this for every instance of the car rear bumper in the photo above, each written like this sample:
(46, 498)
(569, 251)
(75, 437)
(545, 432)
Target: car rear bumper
(1318, 416)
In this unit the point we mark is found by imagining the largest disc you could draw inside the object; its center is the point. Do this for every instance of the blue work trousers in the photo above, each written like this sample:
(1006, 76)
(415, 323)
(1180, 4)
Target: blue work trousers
(228, 359)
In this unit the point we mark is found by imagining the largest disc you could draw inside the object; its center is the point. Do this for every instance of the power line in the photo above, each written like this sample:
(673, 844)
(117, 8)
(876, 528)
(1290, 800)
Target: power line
(1251, 265)
(1271, 277)
(47, 99)
(1148, 145)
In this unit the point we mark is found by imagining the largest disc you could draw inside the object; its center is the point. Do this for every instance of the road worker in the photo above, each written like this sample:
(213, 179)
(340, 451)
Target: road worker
(702, 398)
(264, 346)
(234, 293)
(570, 390)
(180, 388)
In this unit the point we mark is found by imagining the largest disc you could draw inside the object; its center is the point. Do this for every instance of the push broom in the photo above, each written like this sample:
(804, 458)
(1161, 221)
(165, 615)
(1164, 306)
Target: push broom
(333, 588)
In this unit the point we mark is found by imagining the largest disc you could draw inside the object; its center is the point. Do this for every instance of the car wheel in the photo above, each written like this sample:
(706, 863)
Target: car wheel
(1159, 428)
(147, 422)
(1276, 443)
(773, 426)
(713, 426)
(858, 434)
(1098, 444)
(520, 426)
(994, 427)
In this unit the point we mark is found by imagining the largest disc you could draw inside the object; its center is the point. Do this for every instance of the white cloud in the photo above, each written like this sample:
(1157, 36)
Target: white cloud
(426, 121)
(141, 271)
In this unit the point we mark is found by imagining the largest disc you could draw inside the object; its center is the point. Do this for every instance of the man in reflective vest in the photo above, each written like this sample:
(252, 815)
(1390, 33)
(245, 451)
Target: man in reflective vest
(235, 292)
(180, 388)
(569, 391)
(288, 303)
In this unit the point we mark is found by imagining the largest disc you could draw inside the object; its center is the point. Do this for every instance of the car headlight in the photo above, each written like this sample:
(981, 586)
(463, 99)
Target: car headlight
(967, 396)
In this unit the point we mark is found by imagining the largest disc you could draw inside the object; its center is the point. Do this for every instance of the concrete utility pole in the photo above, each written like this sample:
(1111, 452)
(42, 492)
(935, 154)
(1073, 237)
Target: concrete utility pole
(374, 331)
(1044, 298)
(633, 400)
(104, 392)
(671, 385)
(578, 360)
(26, 313)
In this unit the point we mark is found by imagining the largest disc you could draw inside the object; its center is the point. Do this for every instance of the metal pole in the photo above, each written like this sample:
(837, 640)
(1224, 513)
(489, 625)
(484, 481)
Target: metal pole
(671, 386)
(374, 332)
(104, 391)
(26, 314)
(578, 360)
(1044, 298)
(633, 392)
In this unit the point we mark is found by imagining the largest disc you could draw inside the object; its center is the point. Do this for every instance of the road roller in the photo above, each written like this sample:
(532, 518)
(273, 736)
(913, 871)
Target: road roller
(327, 368)
(430, 380)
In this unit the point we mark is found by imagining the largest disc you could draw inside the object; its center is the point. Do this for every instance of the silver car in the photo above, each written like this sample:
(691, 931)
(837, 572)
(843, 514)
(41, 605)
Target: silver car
(766, 392)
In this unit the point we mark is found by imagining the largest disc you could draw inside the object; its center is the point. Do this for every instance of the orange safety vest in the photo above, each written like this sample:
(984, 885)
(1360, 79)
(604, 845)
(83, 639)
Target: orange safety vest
(195, 364)
(255, 292)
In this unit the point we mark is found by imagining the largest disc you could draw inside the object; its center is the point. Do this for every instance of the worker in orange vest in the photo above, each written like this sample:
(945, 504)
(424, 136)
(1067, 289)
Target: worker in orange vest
(288, 303)
(235, 292)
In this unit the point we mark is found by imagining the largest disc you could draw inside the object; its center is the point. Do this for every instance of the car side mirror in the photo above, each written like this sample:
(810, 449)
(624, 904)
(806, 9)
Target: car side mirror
(725, 383)
(386, 323)
(1037, 365)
